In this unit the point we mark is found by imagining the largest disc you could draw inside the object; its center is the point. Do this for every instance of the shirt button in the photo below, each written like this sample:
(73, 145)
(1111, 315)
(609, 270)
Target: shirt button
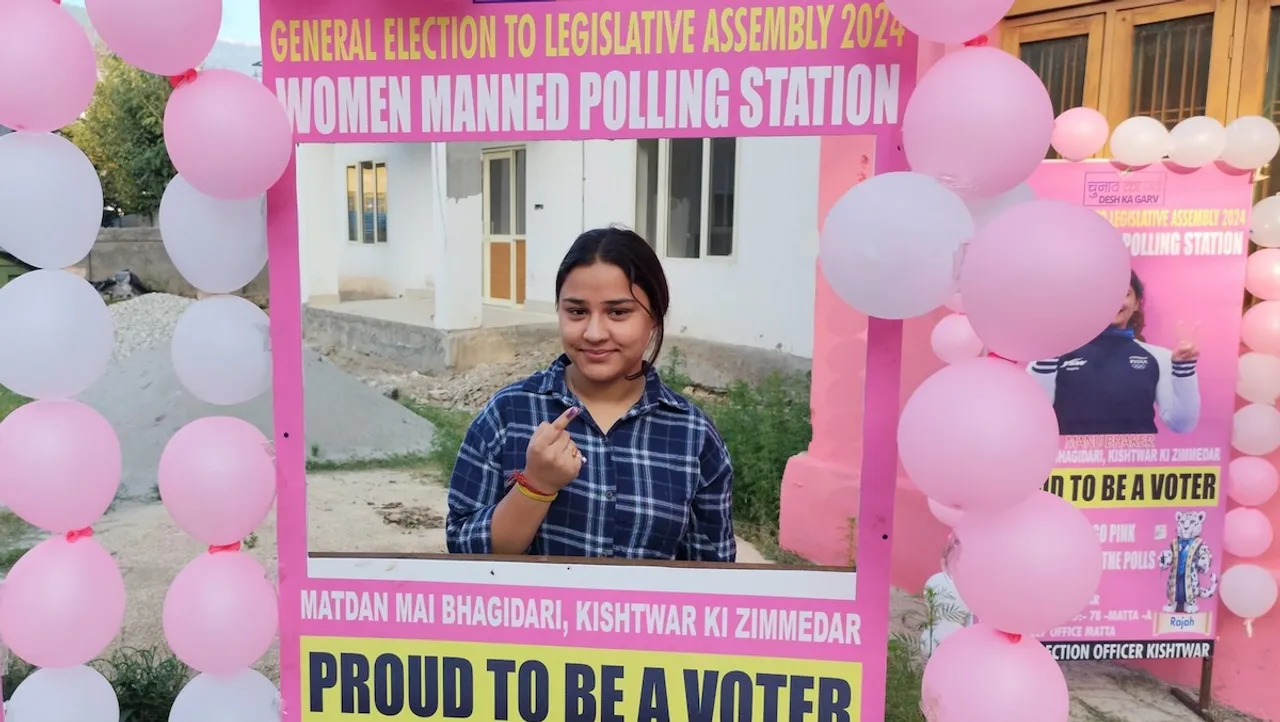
(608, 495)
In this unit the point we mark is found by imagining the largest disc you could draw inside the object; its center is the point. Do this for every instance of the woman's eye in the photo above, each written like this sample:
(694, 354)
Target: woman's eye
(620, 312)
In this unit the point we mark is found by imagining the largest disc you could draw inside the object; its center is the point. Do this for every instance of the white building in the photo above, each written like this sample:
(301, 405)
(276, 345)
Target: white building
(479, 225)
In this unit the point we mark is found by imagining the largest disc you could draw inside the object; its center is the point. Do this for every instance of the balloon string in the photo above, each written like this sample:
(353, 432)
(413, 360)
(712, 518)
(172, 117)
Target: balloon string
(232, 547)
(186, 76)
(1248, 628)
(978, 42)
(1014, 638)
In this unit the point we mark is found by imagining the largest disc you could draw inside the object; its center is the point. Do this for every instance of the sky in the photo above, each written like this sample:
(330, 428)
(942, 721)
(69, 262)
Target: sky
(239, 21)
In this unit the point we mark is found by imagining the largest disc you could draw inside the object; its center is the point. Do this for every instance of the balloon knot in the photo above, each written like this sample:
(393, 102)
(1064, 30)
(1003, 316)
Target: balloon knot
(186, 76)
(992, 354)
(1014, 638)
(978, 42)
(232, 547)
(79, 534)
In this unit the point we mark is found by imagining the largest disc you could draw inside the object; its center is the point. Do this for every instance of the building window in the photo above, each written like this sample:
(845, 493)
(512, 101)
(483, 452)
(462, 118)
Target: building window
(1170, 75)
(1271, 97)
(367, 202)
(685, 191)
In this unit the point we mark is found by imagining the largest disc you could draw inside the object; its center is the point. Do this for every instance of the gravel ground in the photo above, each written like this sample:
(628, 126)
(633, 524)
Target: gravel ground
(145, 322)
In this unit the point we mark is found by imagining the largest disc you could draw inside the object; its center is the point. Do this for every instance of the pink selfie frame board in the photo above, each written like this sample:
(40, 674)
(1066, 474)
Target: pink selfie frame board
(362, 618)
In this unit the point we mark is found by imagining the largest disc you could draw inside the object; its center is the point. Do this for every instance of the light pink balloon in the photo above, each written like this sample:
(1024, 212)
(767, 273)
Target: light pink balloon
(1079, 133)
(949, 22)
(217, 479)
(957, 684)
(227, 135)
(953, 339)
(979, 121)
(63, 603)
(47, 67)
(945, 514)
(1044, 278)
(1262, 274)
(964, 416)
(1252, 480)
(1247, 533)
(1028, 568)
(61, 465)
(220, 613)
(1260, 327)
(158, 36)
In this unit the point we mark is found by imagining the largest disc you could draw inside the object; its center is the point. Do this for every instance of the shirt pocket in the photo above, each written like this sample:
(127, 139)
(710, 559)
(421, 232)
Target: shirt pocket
(660, 494)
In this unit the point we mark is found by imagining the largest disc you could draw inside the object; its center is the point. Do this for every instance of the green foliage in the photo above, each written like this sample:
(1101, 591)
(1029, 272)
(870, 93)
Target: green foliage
(122, 133)
(146, 681)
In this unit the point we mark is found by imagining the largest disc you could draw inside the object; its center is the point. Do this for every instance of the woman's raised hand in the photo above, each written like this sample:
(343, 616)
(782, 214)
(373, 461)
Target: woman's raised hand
(552, 460)
(1185, 348)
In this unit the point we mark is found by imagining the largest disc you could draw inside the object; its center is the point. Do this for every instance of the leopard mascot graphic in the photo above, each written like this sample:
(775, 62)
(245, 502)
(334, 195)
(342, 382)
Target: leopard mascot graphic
(1186, 559)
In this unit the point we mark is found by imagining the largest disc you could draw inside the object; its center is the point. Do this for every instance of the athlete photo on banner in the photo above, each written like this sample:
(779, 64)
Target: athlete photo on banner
(1145, 408)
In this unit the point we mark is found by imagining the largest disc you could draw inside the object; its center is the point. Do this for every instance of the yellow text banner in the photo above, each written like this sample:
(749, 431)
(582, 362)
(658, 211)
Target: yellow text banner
(1137, 487)
(344, 678)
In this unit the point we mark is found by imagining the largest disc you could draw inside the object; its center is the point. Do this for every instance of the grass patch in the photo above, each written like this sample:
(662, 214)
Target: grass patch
(146, 681)
(9, 401)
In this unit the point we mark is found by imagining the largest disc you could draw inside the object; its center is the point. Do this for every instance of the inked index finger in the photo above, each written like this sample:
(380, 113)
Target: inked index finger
(562, 422)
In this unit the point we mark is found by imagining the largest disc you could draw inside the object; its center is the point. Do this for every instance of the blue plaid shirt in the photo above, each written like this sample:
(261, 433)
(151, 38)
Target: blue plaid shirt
(657, 486)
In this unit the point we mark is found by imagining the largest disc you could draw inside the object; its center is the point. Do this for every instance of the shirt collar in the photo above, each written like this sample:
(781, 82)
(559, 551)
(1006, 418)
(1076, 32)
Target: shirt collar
(551, 381)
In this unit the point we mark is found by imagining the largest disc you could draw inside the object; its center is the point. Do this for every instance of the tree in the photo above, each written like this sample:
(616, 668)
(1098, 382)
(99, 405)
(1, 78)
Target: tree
(122, 133)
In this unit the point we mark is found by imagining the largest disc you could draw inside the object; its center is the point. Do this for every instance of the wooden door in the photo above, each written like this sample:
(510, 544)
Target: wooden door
(504, 226)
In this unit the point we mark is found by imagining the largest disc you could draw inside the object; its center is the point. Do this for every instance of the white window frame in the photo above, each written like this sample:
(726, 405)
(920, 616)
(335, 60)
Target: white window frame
(515, 237)
(356, 166)
(658, 236)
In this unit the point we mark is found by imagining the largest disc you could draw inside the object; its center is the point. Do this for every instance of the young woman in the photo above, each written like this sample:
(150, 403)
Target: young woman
(1115, 383)
(594, 456)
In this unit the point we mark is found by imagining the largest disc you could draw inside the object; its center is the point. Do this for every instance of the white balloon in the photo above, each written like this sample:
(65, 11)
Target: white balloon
(890, 247)
(1252, 141)
(933, 636)
(1264, 223)
(50, 199)
(984, 210)
(1139, 141)
(56, 335)
(945, 592)
(67, 694)
(245, 696)
(1248, 590)
(221, 350)
(1197, 141)
(1258, 378)
(219, 246)
(1255, 430)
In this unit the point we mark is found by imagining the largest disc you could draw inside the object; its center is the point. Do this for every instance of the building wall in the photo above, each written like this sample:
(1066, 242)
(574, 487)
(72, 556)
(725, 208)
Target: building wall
(571, 186)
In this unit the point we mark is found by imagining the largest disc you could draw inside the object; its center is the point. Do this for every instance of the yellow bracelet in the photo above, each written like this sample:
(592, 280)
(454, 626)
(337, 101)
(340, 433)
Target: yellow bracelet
(544, 498)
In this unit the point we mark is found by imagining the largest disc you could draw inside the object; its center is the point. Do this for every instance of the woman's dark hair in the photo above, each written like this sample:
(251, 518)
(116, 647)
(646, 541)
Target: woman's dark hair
(1138, 320)
(625, 249)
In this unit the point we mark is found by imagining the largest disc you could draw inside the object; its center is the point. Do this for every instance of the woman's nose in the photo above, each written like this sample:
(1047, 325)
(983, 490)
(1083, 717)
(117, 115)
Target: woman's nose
(595, 329)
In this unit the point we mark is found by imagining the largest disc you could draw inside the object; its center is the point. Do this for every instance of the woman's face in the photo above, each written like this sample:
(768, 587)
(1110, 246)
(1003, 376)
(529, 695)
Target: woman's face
(1126, 309)
(605, 326)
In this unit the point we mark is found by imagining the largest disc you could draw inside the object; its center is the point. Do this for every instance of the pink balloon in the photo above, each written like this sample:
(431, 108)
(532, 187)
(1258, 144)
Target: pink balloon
(1079, 133)
(47, 67)
(953, 339)
(1260, 327)
(964, 416)
(945, 514)
(949, 22)
(958, 680)
(1262, 274)
(63, 603)
(61, 465)
(220, 613)
(1028, 568)
(217, 479)
(1247, 533)
(979, 121)
(227, 135)
(1044, 278)
(1252, 481)
(158, 36)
